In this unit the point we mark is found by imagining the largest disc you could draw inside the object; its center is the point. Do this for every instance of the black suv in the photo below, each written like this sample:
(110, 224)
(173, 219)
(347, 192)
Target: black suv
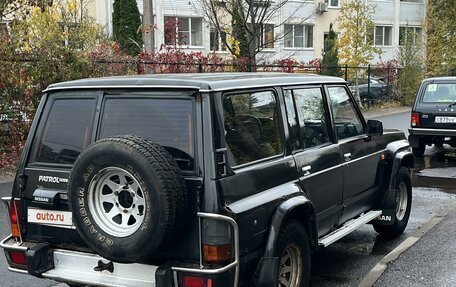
(433, 119)
(200, 180)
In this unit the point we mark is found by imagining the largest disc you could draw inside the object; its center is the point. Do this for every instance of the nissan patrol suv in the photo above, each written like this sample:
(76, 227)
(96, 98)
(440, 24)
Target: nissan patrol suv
(200, 180)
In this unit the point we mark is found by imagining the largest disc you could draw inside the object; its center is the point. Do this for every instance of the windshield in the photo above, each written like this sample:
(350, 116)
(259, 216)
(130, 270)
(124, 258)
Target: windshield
(440, 93)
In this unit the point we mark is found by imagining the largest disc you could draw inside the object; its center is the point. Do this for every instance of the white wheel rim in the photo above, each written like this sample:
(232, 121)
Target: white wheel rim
(116, 202)
(401, 201)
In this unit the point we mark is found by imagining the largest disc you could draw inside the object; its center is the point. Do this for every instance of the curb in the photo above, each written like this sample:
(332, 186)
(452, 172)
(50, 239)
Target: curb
(375, 273)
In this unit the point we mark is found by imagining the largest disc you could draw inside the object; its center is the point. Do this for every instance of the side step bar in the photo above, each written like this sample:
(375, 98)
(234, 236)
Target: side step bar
(348, 227)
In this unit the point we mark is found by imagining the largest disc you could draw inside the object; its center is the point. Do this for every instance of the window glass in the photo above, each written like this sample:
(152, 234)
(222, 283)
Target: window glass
(217, 40)
(379, 36)
(183, 31)
(440, 93)
(298, 36)
(311, 115)
(292, 120)
(168, 122)
(383, 35)
(288, 31)
(187, 31)
(334, 3)
(197, 36)
(67, 131)
(267, 40)
(346, 119)
(410, 34)
(252, 126)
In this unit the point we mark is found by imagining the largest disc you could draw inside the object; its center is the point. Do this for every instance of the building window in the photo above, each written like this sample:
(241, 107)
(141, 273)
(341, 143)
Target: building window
(267, 36)
(183, 31)
(334, 3)
(412, 34)
(298, 36)
(383, 36)
(217, 40)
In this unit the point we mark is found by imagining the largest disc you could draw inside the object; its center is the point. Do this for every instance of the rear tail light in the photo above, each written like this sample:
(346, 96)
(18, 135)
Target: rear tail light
(216, 242)
(17, 258)
(217, 254)
(192, 281)
(415, 120)
(15, 218)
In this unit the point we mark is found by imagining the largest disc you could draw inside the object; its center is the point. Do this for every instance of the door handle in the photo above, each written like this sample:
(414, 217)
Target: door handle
(347, 156)
(306, 169)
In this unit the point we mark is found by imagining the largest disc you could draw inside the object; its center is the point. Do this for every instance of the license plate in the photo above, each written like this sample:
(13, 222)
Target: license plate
(445, 120)
(50, 217)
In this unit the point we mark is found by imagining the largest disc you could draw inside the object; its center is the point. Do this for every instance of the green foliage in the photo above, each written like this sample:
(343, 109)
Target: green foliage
(410, 57)
(330, 60)
(355, 41)
(441, 37)
(125, 23)
(239, 31)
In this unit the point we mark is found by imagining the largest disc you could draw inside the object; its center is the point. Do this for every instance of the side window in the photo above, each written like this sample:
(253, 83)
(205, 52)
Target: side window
(292, 120)
(346, 119)
(252, 126)
(311, 115)
(67, 131)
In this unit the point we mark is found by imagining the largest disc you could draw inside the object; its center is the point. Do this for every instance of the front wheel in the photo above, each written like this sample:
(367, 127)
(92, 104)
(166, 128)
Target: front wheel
(294, 256)
(403, 206)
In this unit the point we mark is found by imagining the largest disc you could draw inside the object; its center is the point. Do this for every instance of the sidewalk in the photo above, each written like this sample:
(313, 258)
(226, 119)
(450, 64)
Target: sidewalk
(424, 259)
(379, 112)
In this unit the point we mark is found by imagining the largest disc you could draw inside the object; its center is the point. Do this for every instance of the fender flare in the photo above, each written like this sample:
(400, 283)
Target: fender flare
(298, 207)
(401, 155)
(398, 154)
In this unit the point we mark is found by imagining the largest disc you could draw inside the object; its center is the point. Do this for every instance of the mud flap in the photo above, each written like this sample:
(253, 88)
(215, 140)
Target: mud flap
(388, 209)
(266, 274)
(414, 141)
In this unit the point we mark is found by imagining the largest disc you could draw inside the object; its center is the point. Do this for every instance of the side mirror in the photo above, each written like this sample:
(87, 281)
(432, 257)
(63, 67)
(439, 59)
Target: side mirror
(374, 128)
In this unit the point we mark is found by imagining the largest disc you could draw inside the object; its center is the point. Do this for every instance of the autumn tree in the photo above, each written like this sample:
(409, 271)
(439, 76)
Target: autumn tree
(126, 22)
(330, 59)
(245, 24)
(411, 61)
(355, 40)
(441, 37)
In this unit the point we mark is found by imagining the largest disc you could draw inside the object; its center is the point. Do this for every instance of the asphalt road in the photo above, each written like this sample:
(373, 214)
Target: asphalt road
(347, 261)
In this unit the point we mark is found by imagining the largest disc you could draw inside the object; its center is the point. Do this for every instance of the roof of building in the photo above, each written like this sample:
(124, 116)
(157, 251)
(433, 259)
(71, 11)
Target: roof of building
(198, 81)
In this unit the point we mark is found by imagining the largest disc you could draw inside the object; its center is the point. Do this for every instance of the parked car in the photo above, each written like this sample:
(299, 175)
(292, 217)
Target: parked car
(376, 90)
(200, 180)
(433, 119)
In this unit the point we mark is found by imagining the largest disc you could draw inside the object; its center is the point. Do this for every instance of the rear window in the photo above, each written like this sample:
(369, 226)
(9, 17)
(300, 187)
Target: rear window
(168, 122)
(440, 93)
(67, 131)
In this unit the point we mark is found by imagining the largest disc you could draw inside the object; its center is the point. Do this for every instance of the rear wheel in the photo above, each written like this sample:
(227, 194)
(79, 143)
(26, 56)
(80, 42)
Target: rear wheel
(419, 151)
(403, 206)
(294, 256)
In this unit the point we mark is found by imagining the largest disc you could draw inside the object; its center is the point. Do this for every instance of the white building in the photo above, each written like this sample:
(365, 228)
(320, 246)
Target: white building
(303, 22)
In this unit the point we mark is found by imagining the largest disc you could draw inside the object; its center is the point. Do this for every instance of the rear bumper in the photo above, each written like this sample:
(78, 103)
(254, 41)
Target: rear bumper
(432, 132)
(419, 133)
(78, 267)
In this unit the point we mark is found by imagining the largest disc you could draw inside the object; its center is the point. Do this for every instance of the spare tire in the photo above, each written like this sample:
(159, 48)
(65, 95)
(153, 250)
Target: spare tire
(128, 198)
